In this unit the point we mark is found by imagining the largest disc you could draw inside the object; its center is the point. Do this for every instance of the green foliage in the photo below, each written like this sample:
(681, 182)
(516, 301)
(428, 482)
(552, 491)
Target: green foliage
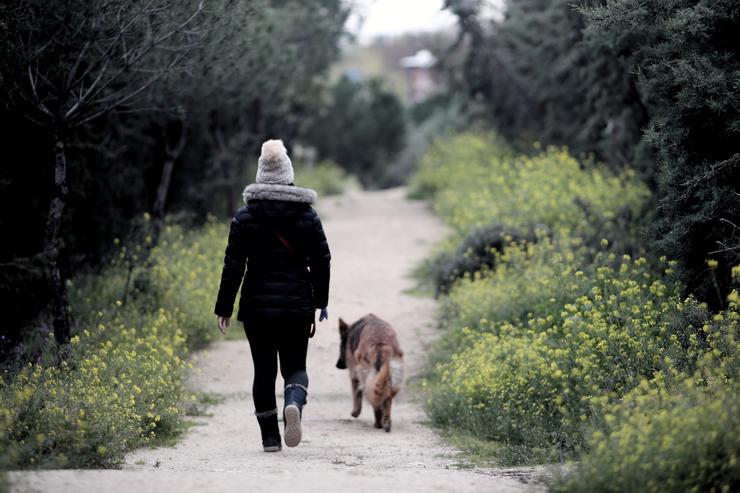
(361, 128)
(477, 251)
(247, 71)
(530, 280)
(558, 348)
(448, 154)
(120, 387)
(688, 65)
(651, 84)
(677, 432)
(531, 76)
(433, 118)
(180, 274)
(529, 372)
(122, 383)
(326, 177)
(488, 194)
(473, 181)
(665, 442)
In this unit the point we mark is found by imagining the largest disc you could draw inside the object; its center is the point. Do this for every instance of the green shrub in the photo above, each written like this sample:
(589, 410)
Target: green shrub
(680, 430)
(530, 280)
(553, 349)
(181, 274)
(485, 192)
(120, 387)
(326, 178)
(122, 382)
(455, 152)
(659, 442)
(528, 376)
(477, 251)
(473, 179)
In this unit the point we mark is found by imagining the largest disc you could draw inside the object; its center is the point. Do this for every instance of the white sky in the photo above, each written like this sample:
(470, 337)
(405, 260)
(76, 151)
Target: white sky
(394, 17)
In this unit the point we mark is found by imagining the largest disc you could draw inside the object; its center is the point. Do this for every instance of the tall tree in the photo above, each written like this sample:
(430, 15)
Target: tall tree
(68, 63)
(264, 64)
(361, 127)
(685, 54)
(532, 77)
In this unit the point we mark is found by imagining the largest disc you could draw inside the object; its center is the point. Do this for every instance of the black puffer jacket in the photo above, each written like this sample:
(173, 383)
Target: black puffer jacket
(278, 285)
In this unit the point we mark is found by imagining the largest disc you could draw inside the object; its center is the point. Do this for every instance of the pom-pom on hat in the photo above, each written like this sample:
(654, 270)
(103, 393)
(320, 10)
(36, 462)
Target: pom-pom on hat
(274, 166)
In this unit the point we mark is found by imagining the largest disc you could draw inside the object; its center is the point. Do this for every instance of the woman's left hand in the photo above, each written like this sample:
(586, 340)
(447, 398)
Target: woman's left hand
(323, 315)
(223, 324)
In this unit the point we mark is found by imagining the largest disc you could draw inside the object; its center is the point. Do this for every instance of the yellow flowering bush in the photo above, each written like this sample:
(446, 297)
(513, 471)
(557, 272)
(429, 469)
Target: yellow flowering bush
(454, 151)
(180, 274)
(678, 431)
(675, 432)
(122, 382)
(119, 387)
(531, 377)
(481, 189)
(556, 347)
(529, 280)
(473, 179)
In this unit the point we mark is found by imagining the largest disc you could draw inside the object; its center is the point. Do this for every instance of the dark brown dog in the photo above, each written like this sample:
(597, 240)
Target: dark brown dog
(369, 348)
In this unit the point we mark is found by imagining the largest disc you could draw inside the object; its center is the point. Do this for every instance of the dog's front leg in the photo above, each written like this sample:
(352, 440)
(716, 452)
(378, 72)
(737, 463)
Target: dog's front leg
(356, 397)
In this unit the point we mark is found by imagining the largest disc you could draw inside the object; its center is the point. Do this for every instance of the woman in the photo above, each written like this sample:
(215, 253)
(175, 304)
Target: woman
(278, 237)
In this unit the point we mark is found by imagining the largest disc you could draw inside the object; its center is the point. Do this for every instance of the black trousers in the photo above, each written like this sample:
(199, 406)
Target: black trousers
(289, 343)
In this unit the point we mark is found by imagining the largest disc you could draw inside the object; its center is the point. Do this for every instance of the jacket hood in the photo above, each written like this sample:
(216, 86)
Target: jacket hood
(284, 193)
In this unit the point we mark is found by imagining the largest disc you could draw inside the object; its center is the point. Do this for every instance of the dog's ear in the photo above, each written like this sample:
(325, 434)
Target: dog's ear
(343, 327)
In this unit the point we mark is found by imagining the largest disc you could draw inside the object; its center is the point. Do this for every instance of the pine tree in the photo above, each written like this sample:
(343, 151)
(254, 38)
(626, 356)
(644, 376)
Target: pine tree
(685, 53)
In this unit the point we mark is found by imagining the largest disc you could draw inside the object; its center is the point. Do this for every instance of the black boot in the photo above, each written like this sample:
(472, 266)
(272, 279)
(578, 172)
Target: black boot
(295, 399)
(270, 430)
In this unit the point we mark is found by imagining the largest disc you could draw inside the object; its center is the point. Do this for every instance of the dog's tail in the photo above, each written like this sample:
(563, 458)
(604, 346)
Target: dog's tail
(389, 367)
(382, 381)
(396, 370)
(383, 353)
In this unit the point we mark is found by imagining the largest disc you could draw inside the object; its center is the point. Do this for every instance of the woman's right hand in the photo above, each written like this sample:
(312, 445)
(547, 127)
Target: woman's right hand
(223, 324)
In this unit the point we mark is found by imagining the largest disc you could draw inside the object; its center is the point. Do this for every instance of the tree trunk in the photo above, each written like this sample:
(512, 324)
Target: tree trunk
(224, 161)
(172, 153)
(52, 243)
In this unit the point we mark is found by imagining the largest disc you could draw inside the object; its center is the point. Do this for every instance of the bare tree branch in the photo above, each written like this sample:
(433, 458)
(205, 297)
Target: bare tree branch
(131, 61)
(131, 95)
(40, 104)
(104, 56)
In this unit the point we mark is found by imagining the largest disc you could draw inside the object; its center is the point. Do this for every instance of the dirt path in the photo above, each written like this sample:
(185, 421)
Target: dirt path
(376, 238)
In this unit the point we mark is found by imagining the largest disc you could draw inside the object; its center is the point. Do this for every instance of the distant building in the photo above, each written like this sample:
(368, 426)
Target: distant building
(420, 82)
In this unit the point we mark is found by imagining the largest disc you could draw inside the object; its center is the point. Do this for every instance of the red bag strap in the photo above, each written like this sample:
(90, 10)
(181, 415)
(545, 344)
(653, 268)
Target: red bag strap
(284, 242)
(289, 248)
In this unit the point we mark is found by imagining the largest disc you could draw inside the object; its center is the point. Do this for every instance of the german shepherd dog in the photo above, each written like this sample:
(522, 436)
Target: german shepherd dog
(370, 349)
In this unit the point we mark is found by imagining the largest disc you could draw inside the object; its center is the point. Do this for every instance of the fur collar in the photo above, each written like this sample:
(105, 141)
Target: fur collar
(288, 193)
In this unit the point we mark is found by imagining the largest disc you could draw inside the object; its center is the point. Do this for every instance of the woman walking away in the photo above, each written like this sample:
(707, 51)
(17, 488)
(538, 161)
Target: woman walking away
(278, 237)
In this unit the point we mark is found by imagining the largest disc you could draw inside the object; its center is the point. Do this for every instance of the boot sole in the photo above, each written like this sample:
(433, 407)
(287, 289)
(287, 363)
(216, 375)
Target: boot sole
(274, 448)
(293, 431)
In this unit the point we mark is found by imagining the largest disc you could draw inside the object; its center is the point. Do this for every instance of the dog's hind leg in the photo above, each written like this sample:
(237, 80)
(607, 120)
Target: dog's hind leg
(378, 417)
(356, 398)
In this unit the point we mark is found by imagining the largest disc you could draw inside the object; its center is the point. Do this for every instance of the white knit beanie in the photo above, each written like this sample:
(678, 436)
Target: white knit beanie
(274, 166)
